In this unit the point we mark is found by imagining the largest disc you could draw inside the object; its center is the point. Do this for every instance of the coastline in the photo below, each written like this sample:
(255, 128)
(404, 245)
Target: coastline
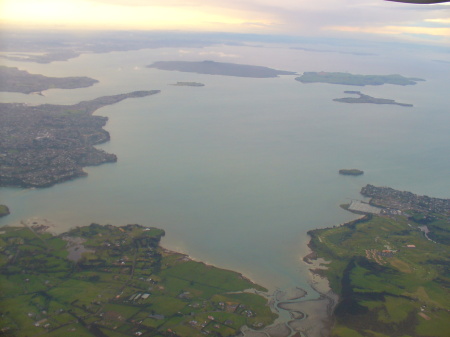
(238, 294)
(311, 317)
(320, 311)
(47, 225)
(312, 256)
(186, 257)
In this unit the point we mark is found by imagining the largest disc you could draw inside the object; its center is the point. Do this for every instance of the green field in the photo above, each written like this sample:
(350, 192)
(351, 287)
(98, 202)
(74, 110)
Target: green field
(121, 283)
(391, 279)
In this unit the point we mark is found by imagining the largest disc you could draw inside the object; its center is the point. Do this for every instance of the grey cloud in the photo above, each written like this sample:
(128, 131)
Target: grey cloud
(306, 15)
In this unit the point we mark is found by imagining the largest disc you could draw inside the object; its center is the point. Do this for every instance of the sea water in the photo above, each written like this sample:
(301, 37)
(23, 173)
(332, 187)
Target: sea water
(236, 172)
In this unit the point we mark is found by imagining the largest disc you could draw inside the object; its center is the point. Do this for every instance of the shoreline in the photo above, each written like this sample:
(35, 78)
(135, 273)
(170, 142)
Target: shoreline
(188, 257)
(320, 311)
(295, 313)
(47, 225)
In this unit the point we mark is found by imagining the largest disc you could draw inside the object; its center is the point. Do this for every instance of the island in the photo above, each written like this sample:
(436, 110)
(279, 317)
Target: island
(358, 80)
(368, 99)
(189, 84)
(47, 144)
(15, 80)
(351, 172)
(4, 210)
(219, 68)
(389, 269)
(103, 280)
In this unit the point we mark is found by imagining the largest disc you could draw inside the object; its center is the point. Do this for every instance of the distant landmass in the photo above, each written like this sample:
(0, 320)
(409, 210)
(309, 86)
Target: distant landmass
(351, 172)
(389, 269)
(15, 80)
(189, 84)
(368, 99)
(101, 280)
(61, 55)
(46, 144)
(219, 68)
(49, 46)
(358, 80)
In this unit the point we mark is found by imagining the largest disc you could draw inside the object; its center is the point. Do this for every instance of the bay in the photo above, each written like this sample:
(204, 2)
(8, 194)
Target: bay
(238, 171)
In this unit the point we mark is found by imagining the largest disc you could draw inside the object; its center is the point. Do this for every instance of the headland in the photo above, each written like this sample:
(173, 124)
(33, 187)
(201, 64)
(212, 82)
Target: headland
(47, 144)
(15, 80)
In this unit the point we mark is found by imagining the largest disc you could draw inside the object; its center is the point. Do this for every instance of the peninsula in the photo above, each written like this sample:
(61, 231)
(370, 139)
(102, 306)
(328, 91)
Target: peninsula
(118, 281)
(390, 270)
(15, 80)
(351, 172)
(368, 99)
(220, 68)
(47, 144)
(358, 80)
(390, 198)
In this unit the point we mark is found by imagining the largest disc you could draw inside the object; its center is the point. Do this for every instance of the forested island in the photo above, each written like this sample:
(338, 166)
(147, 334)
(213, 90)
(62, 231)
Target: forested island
(351, 172)
(46, 144)
(117, 281)
(389, 270)
(368, 99)
(358, 80)
(220, 68)
(15, 80)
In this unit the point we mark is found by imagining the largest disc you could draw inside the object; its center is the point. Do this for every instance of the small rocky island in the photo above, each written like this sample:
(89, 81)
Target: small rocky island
(358, 80)
(368, 99)
(188, 84)
(15, 80)
(351, 172)
(219, 68)
(46, 144)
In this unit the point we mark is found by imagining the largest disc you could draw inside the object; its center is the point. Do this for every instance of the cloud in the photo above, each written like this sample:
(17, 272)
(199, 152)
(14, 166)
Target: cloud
(219, 54)
(149, 3)
(395, 30)
(288, 17)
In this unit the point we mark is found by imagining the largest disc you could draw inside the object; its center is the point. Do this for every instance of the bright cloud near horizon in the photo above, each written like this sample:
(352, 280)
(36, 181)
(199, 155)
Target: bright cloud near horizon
(288, 17)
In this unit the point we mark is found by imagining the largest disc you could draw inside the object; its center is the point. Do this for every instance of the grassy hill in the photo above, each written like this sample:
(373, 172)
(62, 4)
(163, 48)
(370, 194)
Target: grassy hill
(392, 280)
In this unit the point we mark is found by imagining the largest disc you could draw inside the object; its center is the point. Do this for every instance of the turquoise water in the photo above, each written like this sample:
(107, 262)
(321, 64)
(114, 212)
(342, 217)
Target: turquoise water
(238, 171)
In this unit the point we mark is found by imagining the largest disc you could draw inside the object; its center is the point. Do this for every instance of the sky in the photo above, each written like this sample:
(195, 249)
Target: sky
(363, 18)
